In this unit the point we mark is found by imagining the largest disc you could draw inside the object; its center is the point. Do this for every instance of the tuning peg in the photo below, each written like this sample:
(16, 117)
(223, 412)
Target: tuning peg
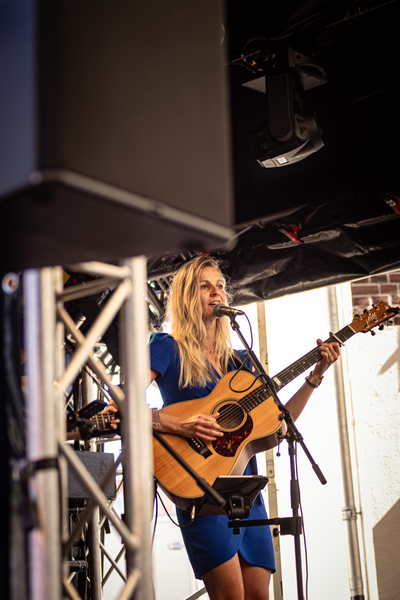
(365, 310)
(356, 315)
(372, 332)
(381, 327)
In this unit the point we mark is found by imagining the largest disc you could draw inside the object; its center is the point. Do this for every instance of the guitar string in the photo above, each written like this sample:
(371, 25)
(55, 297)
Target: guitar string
(309, 359)
(102, 419)
(246, 402)
(256, 397)
(343, 335)
(286, 375)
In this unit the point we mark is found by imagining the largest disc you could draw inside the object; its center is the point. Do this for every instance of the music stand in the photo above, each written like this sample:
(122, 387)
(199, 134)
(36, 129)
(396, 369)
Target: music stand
(239, 493)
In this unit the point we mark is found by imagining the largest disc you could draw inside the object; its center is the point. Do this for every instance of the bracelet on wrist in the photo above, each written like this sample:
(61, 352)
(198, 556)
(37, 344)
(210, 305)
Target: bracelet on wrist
(313, 385)
(155, 419)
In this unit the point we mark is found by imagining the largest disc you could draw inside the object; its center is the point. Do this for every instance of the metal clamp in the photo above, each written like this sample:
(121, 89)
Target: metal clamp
(337, 339)
(349, 513)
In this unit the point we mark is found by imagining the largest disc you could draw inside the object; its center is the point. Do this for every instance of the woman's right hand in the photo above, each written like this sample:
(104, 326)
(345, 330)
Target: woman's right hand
(200, 426)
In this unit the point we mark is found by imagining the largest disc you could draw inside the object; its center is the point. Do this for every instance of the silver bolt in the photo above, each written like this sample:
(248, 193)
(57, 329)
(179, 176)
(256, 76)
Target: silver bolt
(10, 283)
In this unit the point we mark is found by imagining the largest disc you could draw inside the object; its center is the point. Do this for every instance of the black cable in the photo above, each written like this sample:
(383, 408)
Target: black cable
(354, 13)
(242, 366)
(155, 516)
(171, 519)
(318, 17)
(12, 375)
(348, 10)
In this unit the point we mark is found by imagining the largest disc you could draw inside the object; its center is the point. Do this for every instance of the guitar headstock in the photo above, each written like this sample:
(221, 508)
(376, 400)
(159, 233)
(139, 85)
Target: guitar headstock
(376, 316)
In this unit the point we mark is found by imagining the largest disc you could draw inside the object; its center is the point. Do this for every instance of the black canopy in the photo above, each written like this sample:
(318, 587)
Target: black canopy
(333, 216)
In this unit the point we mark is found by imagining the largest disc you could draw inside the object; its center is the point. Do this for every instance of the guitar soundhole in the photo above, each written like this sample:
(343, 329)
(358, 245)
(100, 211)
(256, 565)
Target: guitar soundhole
(231, 416)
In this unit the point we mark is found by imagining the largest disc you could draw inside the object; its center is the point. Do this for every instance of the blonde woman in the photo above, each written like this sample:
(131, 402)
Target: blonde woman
(187, 365)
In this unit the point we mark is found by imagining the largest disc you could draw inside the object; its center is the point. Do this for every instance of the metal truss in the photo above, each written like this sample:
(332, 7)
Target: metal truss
(47, 322)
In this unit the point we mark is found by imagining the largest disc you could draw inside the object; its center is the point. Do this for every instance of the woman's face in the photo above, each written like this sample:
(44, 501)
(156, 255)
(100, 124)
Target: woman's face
(212, 290)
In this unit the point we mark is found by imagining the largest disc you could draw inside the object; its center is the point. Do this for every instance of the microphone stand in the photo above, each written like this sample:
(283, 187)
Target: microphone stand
(292, 437)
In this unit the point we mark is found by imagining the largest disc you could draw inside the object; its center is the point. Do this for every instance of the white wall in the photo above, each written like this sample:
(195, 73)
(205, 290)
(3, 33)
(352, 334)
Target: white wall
(293, 325)
(372, 382)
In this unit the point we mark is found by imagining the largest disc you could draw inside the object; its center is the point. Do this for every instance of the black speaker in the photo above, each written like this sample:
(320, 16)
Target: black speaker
(115, 129)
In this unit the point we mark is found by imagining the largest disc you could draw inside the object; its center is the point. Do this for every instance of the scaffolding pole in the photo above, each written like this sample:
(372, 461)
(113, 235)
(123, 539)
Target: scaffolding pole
(44, 542)
(349, 512)
(136, 428)
(48, 380)
(270, 462)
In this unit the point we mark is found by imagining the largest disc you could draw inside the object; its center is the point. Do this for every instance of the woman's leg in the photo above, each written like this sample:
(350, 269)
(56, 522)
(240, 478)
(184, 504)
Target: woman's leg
(237, 580)
(256, 581)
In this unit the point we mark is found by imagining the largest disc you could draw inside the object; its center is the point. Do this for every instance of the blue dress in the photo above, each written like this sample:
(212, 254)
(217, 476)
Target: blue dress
(208, 540)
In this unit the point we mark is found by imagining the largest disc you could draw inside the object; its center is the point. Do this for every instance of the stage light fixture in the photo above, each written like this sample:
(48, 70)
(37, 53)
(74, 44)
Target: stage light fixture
(290, 132)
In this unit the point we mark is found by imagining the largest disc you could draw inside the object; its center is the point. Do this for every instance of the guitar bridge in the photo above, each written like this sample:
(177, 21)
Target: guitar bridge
(199, 447)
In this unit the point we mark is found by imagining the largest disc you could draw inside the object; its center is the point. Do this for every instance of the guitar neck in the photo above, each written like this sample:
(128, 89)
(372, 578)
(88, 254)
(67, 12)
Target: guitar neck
(309, 359)
(260, 394)
(102, 420)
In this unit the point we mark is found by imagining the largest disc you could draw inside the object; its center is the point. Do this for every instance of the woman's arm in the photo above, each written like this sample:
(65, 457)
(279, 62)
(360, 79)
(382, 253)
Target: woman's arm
(206, 427)
(330, 353)
(201, 426)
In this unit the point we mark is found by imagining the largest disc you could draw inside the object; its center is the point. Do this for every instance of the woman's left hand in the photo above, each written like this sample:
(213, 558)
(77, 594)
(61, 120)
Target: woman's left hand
(330, 352)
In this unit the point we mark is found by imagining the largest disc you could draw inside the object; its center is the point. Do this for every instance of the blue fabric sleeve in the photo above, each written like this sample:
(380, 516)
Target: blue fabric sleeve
(162, 352)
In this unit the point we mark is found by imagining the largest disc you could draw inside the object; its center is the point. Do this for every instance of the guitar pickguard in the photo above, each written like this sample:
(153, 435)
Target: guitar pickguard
(230, 442)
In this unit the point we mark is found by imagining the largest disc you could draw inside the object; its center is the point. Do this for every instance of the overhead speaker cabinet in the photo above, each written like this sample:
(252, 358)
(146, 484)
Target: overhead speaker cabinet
(115, 129)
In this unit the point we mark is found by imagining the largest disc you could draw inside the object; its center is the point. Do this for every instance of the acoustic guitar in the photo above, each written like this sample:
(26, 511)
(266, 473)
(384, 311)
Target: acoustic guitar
(249, 418)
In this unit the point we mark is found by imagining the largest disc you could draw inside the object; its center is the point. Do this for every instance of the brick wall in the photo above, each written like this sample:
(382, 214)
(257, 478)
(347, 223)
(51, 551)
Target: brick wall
(377, 288)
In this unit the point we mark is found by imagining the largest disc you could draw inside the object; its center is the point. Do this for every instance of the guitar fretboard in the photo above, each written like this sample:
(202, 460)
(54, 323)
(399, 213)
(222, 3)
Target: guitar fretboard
(254, 398)
(102, 421)
(259, 395)
(309, 359)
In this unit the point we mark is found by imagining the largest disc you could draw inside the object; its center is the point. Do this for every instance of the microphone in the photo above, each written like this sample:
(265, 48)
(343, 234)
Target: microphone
(220, 310)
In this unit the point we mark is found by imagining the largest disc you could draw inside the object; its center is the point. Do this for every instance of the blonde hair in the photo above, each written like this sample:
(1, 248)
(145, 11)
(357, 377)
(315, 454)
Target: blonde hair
(184, 312)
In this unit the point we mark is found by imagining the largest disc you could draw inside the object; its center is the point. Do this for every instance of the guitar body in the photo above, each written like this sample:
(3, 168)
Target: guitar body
(245, 434)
